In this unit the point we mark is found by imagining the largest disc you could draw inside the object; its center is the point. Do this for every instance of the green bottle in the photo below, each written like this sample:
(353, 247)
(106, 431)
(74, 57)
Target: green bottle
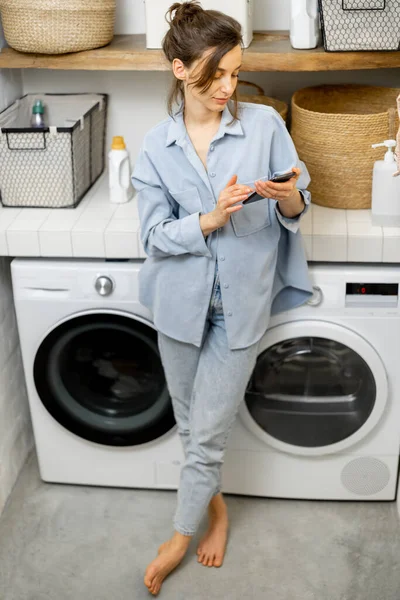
(37, 119)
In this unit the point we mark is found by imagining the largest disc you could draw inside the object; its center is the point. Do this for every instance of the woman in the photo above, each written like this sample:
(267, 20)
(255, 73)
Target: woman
(215, 267)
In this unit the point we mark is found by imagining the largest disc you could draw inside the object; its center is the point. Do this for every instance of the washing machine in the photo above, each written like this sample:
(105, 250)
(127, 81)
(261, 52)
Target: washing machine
(98, 399)
(321, 415)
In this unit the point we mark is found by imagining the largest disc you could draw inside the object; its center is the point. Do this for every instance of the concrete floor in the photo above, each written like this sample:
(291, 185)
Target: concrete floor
(62, 542)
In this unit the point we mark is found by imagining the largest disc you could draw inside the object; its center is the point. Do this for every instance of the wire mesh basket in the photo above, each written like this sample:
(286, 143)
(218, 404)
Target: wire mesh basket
(360, 24)
(53, 166)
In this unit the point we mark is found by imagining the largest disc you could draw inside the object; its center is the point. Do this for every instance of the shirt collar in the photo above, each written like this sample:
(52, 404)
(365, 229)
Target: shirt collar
(177, 130)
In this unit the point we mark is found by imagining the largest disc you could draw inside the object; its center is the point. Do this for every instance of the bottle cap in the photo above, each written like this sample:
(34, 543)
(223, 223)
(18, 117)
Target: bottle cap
(118, 143)
(38, 108)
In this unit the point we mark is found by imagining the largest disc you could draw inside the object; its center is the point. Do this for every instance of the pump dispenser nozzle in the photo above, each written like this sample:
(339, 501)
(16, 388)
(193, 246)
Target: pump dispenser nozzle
(389, 155)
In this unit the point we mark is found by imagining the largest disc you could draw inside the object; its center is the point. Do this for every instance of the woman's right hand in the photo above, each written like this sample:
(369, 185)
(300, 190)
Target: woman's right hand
(228, 198)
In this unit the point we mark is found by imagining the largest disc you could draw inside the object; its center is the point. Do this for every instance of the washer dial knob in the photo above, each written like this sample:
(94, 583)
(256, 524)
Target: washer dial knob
(104, 285)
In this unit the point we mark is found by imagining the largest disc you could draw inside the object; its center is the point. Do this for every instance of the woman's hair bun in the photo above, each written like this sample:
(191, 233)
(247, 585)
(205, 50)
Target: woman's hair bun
(183, 12)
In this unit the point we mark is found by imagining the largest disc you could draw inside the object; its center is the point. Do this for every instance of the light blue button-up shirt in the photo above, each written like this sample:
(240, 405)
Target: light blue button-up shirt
(260, 255)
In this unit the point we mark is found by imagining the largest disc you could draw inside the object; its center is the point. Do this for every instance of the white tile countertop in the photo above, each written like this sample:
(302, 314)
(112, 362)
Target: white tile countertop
(94, 229)
(338, 235)
(99, 229)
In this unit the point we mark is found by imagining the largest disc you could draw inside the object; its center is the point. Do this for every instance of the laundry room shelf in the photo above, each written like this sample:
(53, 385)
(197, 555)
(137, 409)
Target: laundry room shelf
(269, 51)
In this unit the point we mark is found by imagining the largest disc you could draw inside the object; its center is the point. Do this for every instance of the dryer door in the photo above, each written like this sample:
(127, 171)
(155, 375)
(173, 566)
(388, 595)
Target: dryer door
(100, 376)
(317, 388)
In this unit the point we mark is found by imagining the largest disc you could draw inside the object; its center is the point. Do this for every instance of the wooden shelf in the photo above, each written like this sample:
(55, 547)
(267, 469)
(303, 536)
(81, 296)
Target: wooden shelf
(269, 51)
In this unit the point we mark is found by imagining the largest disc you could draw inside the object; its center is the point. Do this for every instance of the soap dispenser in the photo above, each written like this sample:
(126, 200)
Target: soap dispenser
(386, 188)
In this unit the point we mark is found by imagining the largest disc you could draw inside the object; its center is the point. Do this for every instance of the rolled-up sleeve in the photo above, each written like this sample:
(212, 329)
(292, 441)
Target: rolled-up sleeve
(162, 233)
(293, 223)
(282, 159)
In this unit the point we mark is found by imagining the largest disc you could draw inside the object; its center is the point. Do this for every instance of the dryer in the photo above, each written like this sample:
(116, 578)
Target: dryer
(100, 408)
(321, 416)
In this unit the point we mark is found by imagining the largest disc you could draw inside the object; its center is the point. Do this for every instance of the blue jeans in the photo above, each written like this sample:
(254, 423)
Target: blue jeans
(206, 385)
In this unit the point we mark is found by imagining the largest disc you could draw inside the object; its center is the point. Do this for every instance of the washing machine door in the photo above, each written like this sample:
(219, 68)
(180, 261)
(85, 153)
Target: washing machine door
(100, 376)
(317, 388)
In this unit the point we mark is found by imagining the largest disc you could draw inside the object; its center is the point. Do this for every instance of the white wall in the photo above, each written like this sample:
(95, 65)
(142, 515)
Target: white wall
(10, 81)
(16, 438)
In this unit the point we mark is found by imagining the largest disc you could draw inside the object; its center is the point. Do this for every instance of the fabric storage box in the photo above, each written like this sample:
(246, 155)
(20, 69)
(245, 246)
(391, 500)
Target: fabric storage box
(157, 26)
(54, 166)
(360, 24)
(333, 128)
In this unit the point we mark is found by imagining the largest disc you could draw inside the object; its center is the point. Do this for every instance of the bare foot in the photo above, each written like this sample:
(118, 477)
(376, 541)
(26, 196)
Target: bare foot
(169, 556)
(211, 549)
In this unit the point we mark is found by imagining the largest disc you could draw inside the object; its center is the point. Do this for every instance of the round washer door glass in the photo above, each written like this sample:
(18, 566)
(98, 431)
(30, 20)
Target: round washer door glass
(313, 394)
(101, 377)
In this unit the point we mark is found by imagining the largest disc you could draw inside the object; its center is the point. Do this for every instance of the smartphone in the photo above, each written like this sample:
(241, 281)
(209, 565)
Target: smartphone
(254, 197)
(284, 177)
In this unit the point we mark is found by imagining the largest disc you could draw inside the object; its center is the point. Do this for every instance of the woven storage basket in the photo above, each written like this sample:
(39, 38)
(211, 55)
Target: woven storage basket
(260, 98)
(333, 127)
(57, 26)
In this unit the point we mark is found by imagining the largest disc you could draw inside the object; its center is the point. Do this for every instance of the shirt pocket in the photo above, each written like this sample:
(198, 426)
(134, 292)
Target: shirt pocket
(189, 201)
(252, 217)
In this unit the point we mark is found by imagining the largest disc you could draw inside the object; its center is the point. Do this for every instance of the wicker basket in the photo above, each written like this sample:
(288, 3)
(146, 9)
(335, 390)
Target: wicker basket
(57, 26)
(333, 127)
(259, 98)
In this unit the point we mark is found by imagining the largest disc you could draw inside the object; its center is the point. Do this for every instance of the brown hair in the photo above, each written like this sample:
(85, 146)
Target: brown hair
(192, 31)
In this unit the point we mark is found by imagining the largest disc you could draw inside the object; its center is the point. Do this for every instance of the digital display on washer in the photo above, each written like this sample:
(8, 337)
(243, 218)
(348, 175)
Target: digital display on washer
(372, 289)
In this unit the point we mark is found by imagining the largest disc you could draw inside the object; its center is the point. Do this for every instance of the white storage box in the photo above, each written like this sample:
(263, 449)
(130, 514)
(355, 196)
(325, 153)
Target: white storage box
(157, 26)
(53, 166)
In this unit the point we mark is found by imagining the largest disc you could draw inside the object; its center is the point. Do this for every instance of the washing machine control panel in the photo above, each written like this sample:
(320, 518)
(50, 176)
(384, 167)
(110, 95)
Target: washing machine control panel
(361, 294)
(361, 290)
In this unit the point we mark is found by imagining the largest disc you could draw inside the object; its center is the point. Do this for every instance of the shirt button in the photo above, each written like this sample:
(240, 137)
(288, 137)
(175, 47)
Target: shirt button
(229, 313)
(211, 148)
(226, 285)
(212, 174)
(222, 258)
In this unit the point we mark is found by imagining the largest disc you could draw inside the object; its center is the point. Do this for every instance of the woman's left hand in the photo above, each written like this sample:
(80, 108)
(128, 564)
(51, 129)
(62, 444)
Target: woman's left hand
(286, 194)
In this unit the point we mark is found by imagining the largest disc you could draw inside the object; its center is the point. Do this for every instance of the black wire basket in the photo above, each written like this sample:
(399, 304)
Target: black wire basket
(351, 25)
(55, 165)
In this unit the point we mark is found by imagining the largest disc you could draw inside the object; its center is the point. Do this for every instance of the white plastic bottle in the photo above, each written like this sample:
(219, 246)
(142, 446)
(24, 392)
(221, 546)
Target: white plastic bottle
(386, 189)
(304, 24)
(121, 189)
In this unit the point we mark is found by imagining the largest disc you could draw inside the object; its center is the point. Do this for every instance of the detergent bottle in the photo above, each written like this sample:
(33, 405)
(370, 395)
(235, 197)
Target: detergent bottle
(304, 24)
(121, 189)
